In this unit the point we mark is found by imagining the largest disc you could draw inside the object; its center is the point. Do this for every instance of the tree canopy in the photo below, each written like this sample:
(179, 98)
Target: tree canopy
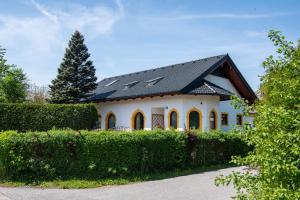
(13, 82)
(76, 74)
(276, 135)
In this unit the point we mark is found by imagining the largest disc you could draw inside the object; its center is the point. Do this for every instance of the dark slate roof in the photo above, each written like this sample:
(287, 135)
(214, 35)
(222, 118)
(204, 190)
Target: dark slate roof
(209, 88)
(171, 79)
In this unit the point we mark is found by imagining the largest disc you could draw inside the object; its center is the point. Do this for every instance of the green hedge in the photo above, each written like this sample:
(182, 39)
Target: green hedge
(90, 154)
(42, 117)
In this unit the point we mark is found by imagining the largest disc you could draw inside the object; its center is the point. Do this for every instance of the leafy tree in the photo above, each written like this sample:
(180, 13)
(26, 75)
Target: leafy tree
(276, 136)
(37, 94)
(13, 82)
(76, 74)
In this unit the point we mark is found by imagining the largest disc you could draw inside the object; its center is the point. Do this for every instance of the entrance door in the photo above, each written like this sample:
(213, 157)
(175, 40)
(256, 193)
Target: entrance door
(158, 121)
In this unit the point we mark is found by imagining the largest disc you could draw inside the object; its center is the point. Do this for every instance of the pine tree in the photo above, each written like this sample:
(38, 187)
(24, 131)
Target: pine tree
(76, 74)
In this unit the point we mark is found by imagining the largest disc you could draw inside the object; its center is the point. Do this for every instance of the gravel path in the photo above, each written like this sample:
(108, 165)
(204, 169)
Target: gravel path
(192, 187)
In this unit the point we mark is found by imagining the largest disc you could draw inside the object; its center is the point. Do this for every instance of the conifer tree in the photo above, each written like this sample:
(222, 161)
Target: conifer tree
(76, 74)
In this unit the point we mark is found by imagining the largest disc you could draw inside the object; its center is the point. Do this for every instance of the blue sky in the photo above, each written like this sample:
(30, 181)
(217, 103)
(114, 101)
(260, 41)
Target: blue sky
(132, 35)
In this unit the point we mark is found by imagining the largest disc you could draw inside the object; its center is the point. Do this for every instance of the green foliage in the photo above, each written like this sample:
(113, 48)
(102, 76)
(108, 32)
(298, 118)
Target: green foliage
(42, 117)
(76, 74)
(67, 154)
(276, 136)
(216, 148)
(13, 82)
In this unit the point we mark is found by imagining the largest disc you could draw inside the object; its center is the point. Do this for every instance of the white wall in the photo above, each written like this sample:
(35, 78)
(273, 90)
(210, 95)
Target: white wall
(222, 82)
(225, 106)
(205, 104)
(182, 103)
(123, 109)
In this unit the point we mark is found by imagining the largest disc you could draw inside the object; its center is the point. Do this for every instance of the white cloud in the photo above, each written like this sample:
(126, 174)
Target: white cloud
(217, 16)
(95, 21)
(256, 33)
(37, 43)
(44, 11)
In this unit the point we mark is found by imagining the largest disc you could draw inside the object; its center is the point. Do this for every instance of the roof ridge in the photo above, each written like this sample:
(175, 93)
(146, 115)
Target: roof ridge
(167, 66)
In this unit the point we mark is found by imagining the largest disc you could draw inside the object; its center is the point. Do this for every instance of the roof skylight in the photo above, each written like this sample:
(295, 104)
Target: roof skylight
(110, 83)
(129, 85)
(153, 81)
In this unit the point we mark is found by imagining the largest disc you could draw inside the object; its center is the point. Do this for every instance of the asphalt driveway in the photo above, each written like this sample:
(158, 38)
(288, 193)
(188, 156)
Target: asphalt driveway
(192, 187)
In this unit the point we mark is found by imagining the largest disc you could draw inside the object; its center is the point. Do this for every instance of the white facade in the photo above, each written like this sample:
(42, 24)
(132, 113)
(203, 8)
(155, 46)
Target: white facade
(124, 110)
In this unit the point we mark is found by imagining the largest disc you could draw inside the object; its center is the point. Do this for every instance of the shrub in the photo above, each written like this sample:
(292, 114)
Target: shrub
(42, 117)
(276, 134)
(63, 154)
(217, 148)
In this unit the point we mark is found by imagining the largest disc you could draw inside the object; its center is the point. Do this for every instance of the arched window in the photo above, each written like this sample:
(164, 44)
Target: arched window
(110, 121)
(138, 120)
(194, 118)
(173, 119)
(213, 120)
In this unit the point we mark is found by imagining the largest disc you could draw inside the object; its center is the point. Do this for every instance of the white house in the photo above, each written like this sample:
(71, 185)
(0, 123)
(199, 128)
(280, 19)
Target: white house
(191, 95)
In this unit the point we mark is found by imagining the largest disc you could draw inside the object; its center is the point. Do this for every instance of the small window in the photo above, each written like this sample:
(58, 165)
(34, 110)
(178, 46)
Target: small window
(239, 119)
(224, 119)
(153, 81)
(213, 120)
(173, 116)
(131, 84)
(110, 83)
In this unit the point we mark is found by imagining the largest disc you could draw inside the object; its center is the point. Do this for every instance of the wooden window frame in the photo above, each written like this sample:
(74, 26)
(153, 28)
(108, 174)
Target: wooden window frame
(227, 116)
(216, 119)
(237, 120)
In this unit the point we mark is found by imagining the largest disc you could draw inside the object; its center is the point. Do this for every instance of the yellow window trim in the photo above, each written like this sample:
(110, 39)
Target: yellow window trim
(106, 119)
(216, 121)
(169, 117)
(188, 119)
(225, 113)
(133, 116)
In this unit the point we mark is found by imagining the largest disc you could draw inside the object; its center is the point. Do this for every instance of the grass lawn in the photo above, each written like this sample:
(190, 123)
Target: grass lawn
(79, 183)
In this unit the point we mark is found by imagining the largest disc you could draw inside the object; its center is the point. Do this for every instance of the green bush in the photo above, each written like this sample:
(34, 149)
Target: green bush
(216, 148)
(42, 117)
(67, 154)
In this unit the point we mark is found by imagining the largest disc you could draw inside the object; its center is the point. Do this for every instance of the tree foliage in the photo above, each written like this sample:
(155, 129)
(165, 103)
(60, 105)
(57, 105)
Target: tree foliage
(76, 74)
(276, 136)
(13, 82)
(37, 94)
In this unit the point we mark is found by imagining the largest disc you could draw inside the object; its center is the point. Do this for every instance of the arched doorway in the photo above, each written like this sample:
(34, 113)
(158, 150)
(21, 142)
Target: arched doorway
(138, 120)
(194, 118)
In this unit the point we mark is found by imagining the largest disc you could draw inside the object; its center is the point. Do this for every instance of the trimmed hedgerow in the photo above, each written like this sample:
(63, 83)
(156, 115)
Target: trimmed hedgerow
(63, 154)
(215, 148)
(42, 117)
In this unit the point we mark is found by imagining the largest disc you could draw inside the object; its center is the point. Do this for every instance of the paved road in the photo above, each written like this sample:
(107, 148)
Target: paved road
(192, 187)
